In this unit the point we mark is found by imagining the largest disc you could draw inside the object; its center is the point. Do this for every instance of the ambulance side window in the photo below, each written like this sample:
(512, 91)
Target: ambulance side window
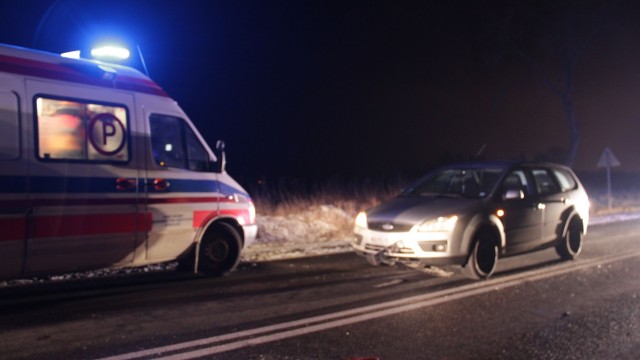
(70, 129)
(9, 126)
(196, 153)
(175, 145)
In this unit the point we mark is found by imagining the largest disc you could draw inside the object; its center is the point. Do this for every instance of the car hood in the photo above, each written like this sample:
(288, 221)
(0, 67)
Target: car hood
(414, 210)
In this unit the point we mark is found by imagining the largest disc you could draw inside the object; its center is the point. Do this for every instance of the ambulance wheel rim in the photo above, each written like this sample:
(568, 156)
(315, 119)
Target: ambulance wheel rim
(220, 250)
(217, 250)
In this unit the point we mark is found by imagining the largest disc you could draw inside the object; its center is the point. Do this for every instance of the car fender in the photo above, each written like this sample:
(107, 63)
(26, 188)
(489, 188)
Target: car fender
(479, 222)
(570, 214)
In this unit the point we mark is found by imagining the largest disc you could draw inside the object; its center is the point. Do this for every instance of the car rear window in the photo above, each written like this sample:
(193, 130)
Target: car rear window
(566, 179)
(545, 183)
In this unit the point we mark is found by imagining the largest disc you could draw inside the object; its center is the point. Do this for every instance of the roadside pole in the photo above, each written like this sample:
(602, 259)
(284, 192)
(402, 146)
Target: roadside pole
(608, 160)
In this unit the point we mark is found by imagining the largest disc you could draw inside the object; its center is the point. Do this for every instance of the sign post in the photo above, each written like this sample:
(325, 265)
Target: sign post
(608, 160)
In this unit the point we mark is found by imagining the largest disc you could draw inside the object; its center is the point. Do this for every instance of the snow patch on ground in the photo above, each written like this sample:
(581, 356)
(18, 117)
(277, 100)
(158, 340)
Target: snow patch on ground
(321, 223)
(318, 230)
(611, 218)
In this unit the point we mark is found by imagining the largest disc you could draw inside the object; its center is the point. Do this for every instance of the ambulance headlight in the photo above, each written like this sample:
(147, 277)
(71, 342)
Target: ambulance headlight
(361, 220)
(443, 223)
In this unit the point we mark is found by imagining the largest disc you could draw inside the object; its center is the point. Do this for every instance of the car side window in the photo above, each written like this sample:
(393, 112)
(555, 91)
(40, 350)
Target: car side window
(566, 179)
(516, 181)
(545, 183)
(176, 145)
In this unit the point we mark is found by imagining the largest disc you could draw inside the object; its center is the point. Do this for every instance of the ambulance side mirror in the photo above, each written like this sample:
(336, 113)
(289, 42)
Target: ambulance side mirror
(221, 163)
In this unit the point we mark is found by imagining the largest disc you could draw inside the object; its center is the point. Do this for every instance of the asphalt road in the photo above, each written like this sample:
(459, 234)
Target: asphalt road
(339, 307)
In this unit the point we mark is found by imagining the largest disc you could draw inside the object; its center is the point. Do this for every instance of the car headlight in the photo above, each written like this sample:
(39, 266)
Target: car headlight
(443, 223)
(361, 220)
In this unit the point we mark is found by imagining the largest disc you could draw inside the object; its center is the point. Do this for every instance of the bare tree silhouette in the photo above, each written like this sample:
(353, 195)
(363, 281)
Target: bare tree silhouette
(552, 36)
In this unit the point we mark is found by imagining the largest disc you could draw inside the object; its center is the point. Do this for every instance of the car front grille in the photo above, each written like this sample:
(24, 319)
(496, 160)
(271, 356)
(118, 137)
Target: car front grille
(393, 249)
(389, 226)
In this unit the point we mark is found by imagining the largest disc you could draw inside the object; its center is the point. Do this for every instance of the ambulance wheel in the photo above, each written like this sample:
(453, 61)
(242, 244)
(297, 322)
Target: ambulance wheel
(219, 250)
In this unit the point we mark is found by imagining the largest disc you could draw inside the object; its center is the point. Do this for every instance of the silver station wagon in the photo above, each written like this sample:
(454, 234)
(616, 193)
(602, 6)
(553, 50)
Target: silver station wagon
(472, 214)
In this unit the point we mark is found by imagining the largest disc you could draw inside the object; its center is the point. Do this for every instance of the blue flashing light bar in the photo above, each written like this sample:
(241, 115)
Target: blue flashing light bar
(110, 52)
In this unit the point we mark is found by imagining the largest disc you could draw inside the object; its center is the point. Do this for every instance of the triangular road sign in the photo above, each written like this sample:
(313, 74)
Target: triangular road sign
(607, 159)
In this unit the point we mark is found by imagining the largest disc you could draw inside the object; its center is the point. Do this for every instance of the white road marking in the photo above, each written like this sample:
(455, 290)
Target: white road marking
(388, 283)
(216, 344)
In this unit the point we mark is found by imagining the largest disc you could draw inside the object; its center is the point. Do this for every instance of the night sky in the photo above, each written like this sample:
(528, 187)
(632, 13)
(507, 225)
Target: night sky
(320, 89)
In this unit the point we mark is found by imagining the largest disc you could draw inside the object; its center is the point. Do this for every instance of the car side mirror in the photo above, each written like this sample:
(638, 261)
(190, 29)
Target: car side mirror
(221, 163)
(512, 194)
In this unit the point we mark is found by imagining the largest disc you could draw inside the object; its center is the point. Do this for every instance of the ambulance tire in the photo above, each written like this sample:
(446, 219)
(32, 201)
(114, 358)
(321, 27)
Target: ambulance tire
(219, 250)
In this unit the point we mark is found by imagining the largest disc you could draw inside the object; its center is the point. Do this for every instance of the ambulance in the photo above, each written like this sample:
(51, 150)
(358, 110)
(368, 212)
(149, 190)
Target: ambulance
(100, 168)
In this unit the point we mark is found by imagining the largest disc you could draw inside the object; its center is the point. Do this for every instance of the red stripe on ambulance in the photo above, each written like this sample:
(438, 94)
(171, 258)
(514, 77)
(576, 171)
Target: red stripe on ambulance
(94, 224)
(202, 217)
(13, 228)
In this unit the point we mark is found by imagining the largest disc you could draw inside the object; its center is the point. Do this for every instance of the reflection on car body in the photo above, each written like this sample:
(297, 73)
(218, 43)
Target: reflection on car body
(471, 214)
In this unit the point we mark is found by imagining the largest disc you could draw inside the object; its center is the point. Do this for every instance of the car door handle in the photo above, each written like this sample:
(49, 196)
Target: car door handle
(160, 184)
(125, 184)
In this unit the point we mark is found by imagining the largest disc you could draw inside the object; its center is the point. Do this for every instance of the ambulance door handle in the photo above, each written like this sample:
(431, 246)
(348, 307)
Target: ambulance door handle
(160, 184)
(125, 184)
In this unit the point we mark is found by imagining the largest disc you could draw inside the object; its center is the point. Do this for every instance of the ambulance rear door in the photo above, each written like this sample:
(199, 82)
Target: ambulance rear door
(84, 180)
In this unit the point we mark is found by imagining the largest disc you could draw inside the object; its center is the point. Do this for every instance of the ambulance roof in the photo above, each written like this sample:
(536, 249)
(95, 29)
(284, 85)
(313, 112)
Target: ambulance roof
(42, 64)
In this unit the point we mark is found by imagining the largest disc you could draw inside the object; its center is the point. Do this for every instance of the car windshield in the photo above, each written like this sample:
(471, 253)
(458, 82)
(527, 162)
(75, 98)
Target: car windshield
(469, 183)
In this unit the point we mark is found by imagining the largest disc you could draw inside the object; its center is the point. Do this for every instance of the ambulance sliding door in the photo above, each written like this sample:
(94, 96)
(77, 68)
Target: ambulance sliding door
(84, 180)
(13, 188)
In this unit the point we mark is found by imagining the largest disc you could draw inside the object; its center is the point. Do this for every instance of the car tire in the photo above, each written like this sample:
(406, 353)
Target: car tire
(219, 252)
(571, 242)
(483, 258)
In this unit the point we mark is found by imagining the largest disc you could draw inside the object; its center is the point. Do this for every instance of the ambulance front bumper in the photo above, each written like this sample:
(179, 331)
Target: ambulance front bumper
(250, 233)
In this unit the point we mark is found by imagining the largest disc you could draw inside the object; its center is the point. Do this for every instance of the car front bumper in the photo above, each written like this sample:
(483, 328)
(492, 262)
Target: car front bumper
(430, 248)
